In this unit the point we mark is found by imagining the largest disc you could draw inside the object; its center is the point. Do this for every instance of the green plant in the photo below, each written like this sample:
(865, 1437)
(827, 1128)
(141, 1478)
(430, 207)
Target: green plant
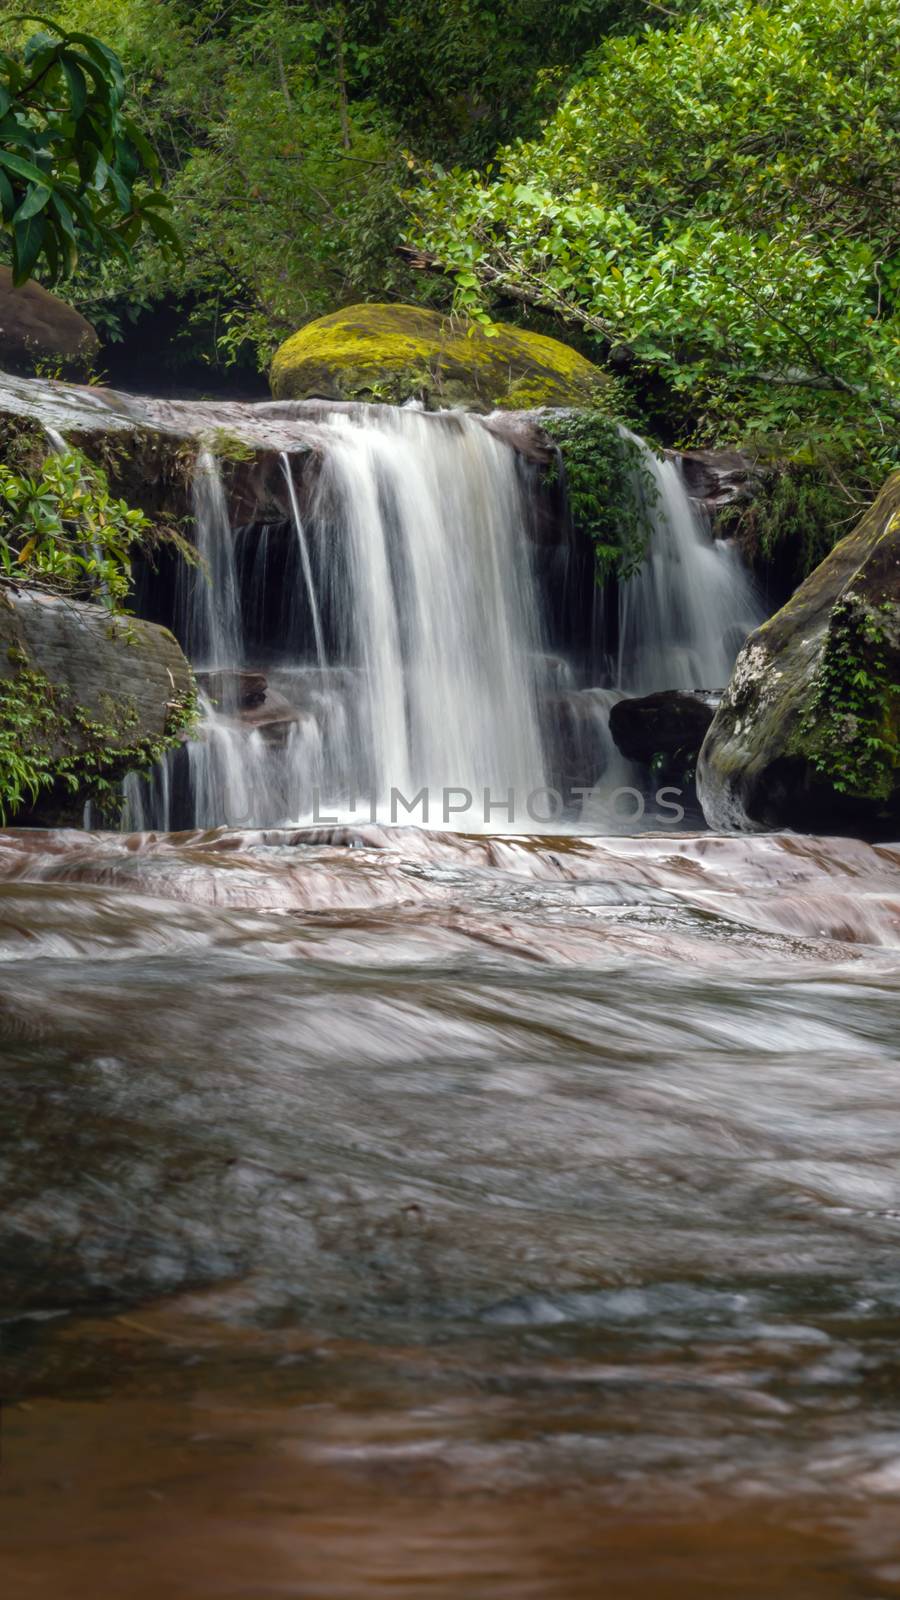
(61, 528)
(48, 739)
(71, 161)
(607, 486)
(851, 724)
(795, 517)
(713, 201)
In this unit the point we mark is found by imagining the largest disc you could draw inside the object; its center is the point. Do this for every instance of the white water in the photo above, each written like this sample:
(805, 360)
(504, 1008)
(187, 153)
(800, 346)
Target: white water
(303, 550)
(685, 615)
(214, 627)
(415, 574)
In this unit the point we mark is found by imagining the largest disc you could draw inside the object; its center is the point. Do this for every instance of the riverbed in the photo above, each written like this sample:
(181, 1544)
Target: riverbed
(389, 1211)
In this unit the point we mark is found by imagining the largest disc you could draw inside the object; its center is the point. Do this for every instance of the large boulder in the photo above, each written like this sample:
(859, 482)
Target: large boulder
(808, 733)
(396, 353)
(85, 697)
(37, 328)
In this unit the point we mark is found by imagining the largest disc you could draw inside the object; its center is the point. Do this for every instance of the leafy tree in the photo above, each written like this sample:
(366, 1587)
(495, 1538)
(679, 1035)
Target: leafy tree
(284, 129)
(71, 161)
(457, 76)
(714, 202)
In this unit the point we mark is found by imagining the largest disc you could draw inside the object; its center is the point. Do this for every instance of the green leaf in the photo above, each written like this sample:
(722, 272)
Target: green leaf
(28, 237)
(105, 59)
(76, 85)
(35, 201)
(21, 167)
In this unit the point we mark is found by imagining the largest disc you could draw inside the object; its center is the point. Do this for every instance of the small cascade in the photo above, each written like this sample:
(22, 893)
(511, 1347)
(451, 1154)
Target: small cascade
(303, 550)
(685, 615)
(213, 624)
(682, 620)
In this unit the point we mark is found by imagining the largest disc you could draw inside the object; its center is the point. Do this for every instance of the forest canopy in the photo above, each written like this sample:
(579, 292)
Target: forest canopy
(702, 196)
(715, 202)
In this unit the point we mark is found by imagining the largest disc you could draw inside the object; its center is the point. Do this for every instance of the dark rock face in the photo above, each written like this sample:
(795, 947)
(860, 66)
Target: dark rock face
(35, 325)
(808, 733)
(717, 478)
(671, 725)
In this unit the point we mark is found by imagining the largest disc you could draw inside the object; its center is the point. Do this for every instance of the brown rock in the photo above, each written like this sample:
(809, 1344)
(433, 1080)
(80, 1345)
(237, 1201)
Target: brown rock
(233, 691)
(36, 326)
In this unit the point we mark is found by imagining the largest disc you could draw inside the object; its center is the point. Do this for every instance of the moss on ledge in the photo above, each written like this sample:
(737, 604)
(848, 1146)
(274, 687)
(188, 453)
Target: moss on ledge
(397, 353)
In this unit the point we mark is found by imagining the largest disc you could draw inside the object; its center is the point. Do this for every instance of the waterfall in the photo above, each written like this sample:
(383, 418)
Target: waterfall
(414, 557)
(685, 614)
(435, 600)
(417, 665)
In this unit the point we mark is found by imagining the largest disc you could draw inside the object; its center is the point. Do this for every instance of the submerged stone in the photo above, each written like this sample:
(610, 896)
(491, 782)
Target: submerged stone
(397, 353)
(808, 733)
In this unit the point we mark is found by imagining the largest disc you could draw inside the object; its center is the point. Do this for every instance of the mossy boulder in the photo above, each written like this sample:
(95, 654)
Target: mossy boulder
(397, 353)
(808, 733)
(85, 697)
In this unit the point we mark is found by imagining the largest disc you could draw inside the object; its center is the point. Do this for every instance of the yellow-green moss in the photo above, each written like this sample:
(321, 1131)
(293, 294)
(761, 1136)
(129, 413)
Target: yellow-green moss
(394, 353)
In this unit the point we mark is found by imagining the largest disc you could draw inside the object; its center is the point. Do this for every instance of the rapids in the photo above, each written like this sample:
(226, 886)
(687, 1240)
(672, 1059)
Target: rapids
(476, 1216)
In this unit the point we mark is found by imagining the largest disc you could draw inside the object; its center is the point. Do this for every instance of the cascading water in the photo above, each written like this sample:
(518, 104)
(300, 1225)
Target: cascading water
(686, 613)
(414, 558)
(213, 622)
(420, 671)
(303, 549)
(435, 601)
(682, 619)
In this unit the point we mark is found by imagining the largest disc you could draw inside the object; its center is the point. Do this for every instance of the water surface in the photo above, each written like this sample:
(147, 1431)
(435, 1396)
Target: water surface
(386, 1212)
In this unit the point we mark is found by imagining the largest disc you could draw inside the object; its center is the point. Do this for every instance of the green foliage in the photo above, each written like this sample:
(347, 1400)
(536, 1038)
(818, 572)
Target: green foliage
(71, 161)
(288, 129)
(61, 529)
(714, 201)
(795, 517)
(852, 722)
(458, 76)
(607, 486)
(48, 740)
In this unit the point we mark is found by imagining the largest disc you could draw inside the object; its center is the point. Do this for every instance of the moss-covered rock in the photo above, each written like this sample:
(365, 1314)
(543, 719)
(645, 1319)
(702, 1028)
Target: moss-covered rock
(85, 697)
(808, 733)
(396, 353)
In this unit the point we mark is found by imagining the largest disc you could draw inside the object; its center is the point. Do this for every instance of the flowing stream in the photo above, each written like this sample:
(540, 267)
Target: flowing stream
(464, 1212)
(390, 1210)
